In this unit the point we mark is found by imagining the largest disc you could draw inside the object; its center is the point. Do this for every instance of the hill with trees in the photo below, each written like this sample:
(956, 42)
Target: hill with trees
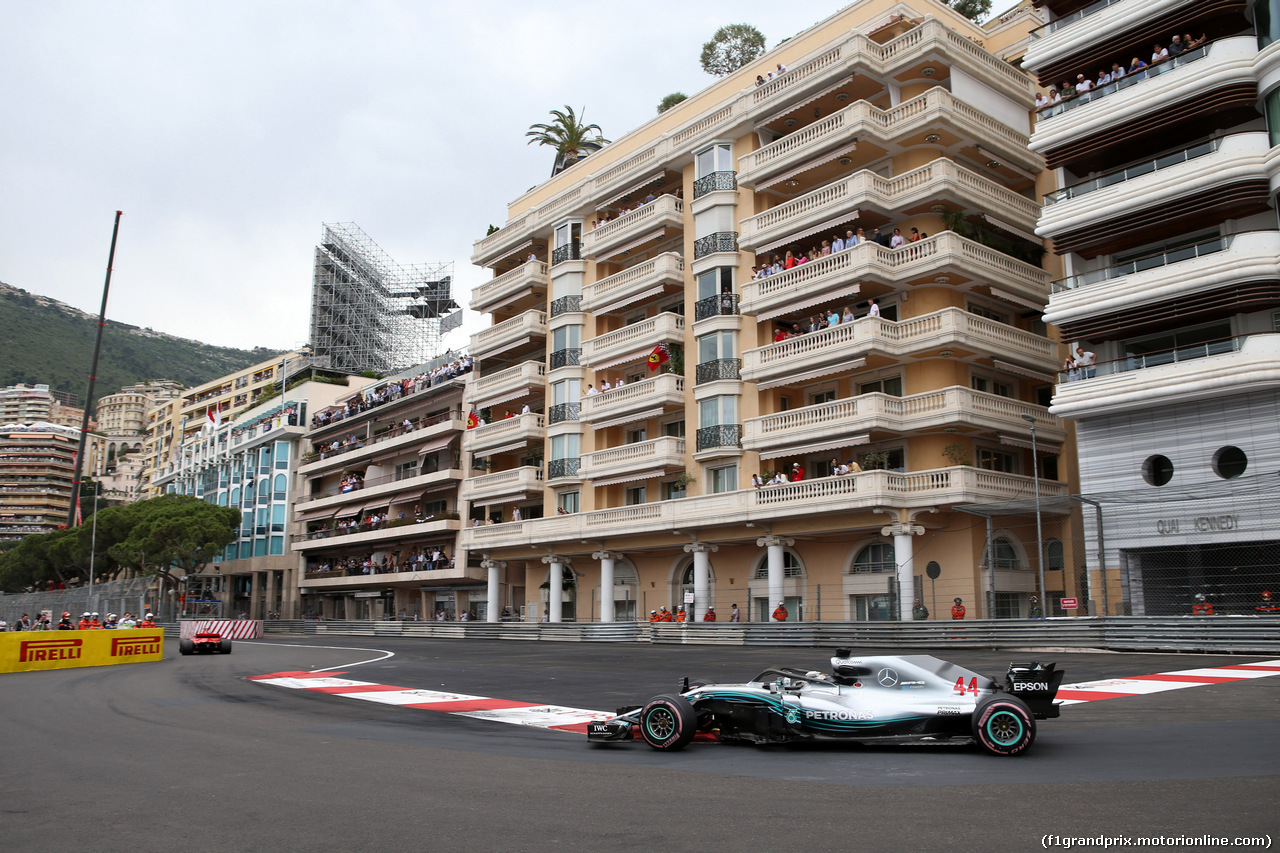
(46, 341)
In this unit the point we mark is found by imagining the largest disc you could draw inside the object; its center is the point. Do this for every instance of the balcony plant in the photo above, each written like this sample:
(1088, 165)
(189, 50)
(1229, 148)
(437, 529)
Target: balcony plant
(875, 460)
(956, 454)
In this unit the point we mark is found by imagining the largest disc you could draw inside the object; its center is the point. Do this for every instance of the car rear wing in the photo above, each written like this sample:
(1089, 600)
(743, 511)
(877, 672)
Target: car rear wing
(1036, 684)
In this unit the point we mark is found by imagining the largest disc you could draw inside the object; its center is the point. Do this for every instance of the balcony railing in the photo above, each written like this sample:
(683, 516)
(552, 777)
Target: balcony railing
(1129, 363)
(493, 292)
(658, 392)
(1147, 262)
(566, 305)
(568, 252)
(508, 333)
(721, 435)
(635, 339)
(715, 182)
(565, 357)
(563, 412)
(720, 305)
(557, 468)
(634, 283)
(1133, 78)
(1055, 25)
(721, 368)
(656, 454)
(1136, 171)
(495, 387)
(721, 241)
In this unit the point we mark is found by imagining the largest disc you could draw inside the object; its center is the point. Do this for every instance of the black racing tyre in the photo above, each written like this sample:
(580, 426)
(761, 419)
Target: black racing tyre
(1004, 725)
(668, 722)
(186, 647)
(224, 646)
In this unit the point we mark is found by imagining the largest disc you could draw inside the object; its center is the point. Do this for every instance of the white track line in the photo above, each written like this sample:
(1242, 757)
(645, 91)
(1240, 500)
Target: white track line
(385, 654)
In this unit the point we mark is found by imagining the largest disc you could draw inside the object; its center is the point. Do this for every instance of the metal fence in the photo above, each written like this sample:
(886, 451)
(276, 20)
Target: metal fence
(119, 597)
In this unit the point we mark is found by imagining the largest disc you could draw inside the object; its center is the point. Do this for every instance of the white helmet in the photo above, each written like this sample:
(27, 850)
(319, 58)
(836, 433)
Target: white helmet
(781, 603)
(1199, 596)
(87, 614)
(95, 613)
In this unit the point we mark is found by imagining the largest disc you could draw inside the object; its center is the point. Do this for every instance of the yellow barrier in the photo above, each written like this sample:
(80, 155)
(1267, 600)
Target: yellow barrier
(22, 651)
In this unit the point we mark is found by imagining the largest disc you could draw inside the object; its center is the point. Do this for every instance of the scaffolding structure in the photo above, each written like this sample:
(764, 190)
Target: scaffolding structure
(369, 313)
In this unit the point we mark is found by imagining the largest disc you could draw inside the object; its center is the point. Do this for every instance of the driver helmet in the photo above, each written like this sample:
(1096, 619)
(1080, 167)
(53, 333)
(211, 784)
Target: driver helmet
(1199, 596)
(1266, 593)
(958, 601)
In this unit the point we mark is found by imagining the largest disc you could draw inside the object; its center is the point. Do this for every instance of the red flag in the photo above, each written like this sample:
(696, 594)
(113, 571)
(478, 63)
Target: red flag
(659, 356)
(473, 420)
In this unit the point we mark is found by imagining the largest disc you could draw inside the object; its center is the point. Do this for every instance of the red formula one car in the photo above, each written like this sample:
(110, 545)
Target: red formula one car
(210, 642)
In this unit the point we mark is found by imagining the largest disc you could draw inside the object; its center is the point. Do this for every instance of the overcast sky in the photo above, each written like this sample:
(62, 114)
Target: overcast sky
(228, 132)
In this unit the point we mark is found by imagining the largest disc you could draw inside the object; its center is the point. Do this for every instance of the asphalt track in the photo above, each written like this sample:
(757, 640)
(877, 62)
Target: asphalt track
(188, 755)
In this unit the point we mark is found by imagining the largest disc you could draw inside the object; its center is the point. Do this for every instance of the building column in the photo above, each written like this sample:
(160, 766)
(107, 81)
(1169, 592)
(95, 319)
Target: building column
(556, 594)
(777, 567)
(255, 595)
(904, 555)
(494, 591)
(607, 561)
(701, 577)
(270, 598)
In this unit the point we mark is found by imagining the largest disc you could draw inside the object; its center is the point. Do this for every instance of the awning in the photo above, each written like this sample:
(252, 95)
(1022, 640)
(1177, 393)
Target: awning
(316, 514)
(627, 300)
(1012, 229)
(1016, 300)
(504, 448)
(839, 84)
(1019, 370)
(350, 510)
(1044, 448)
(847, 441)
(438, 443)
(511, 498)
(800, 235)
(793, 378)
(809, 164)
(652, 179)
(809, 303)
(489, 402)
(628, 419)
(630, 478)
(633, 355)
(514, 250)
(627, 247)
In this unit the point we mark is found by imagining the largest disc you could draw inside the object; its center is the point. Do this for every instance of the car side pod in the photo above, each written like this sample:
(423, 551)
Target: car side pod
(1036, 684)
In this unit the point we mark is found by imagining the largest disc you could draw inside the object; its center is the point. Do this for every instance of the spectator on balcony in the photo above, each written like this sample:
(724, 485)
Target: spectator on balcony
(790, 261)
(1117, 72)
(757, 481)
(797, 473)
(874, 309)
(915, 236)
(834, 466)
(1042, 100)
(1192, 44)
(1104, 77)
(1054, 96)
(847, 316)
(524, 410)
(515, 514)
(897, 241)
(1067, 89)
(620, 382)
(1160, 54)
(592, 391)
(650, 198)
(605, 386)
(759, 80)
(833, 319)
(826, 247)
(1177, 46)
(837, 244)
(1084, 363)
(1137, 66)
(780, 335)
(509, 414)
(796, 331)
(1083, 84)
(782, 69)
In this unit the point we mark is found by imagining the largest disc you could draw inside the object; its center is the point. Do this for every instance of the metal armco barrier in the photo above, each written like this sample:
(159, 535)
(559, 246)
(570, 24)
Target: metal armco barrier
(236, 629)
(23, 651)
(1227, 634)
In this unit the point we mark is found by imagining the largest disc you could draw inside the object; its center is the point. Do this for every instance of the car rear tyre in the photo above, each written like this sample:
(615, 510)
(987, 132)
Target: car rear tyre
(224, 645)
(1004, 725)
(668, 722)
(186, 647)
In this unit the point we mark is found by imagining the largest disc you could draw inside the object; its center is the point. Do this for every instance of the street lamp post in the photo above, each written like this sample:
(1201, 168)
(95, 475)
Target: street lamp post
(1035, 479)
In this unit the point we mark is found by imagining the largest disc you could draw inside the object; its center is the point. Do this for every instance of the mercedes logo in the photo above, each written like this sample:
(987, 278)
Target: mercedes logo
(887, 677)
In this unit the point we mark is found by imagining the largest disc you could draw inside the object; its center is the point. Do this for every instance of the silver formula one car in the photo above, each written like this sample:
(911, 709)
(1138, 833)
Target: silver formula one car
(911, 697)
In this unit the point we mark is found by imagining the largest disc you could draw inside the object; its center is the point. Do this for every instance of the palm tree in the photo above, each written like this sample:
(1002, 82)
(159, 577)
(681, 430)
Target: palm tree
(571, 138)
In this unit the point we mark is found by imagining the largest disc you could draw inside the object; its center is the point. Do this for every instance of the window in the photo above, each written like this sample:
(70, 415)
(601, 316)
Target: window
(282, 454)
(997, 460)
(1006, 555)
(568, 233)
(990, 313)
(716, 346)
(565, 446)
(1157, 470)
(1181, 345)
(891, 385)
(635, 436)
(406, 469)
(791, 566)
(1230, 462)
(715, 281)
(877, 557)
(674, 490)
(1054, 557)
(675, 429)
(717, 158)
(992, 386)
(820, 397)
(887, 458)
(873, 608)
(566, 391)
(724, 479)
(635, 495)
(567, 502)
(566, 337)
(715, 411)
(278, 493)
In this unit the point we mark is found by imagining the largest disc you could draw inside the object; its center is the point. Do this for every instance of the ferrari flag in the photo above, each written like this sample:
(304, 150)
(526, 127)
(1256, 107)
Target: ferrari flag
(659, 356)
(473, 420)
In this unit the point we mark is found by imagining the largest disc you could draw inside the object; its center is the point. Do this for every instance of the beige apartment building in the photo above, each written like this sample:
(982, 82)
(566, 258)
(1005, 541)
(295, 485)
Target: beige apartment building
(638, 372)
(29, 404)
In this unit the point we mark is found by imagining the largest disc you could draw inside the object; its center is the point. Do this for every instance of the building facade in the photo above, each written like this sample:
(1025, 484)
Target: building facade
(657, 343)
(37, 464)
(29, 404)
(1166, 226)
(122, 421)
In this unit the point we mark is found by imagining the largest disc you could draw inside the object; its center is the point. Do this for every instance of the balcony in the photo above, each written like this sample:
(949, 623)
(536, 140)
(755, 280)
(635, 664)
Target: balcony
(631, 285)
(644, 224)
(563, 412)
(719, 369)
(520, 331)
(320, 581)
(719, 305)
(1066, 42)
(523, 380)
(510, 286)
(1137, 100)
(383, 446)
(631, 462)
(375, 539)
(1097, 213)
(504, 486)
(1191, 274)
(843, 423)
(568, 357)
(505, 435)
(838, 276)
(563, 469)
(826, 496)
(633, 342)
(566, 305)
(939, 181)
(1213, 370)
(863, 121)
(719, 437)
(720, 241)
(715, 182)
(634, 401)
(845, 347)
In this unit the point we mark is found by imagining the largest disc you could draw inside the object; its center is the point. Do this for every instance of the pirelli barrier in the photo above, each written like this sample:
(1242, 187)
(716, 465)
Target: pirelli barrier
(24, 651)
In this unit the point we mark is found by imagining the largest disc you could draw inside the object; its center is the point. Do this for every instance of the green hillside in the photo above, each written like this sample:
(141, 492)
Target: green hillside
(45, 341)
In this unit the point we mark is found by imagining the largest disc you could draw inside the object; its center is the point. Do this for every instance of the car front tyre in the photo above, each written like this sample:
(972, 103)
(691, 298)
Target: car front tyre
(1004, 725)
(668, 722)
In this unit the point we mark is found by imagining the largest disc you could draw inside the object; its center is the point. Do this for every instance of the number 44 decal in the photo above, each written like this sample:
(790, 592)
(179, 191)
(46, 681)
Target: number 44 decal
(972, 688)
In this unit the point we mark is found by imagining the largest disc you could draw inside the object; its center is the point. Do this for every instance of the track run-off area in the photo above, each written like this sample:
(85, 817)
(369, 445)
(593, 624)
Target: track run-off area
(309, 744)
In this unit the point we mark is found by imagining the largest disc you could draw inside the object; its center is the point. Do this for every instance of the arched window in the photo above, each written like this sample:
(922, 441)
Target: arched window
(1007, 558)
(791, 566)
(876, 557)
(1054, 559)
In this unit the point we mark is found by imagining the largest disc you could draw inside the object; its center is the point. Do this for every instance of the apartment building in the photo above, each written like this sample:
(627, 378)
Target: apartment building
(639, 372)
(122, 421)
(37, 464)
(1166, 226)
(377, 511)
(251, 463)
(174, 421)
(29, 404)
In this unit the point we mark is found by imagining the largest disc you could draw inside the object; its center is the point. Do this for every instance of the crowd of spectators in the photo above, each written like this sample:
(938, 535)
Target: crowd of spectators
(792, 259)
(823, 320)
(1137, 68)
(430, 558)
(609, 215)
(782, 476)
(364, 401)
(778, 72)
